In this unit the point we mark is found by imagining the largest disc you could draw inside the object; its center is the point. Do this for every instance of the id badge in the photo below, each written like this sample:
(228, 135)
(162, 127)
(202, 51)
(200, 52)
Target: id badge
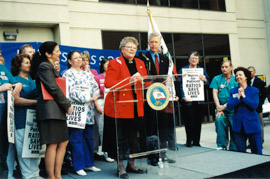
(220, 87)
(2, 98)
(235, 95)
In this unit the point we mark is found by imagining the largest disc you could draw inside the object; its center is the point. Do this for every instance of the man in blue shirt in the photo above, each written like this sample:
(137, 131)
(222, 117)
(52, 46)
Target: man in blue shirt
(221, 85)
(158, 122)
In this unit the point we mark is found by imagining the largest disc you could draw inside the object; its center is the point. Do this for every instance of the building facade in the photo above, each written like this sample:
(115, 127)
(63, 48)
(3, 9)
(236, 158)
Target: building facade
(219, 29)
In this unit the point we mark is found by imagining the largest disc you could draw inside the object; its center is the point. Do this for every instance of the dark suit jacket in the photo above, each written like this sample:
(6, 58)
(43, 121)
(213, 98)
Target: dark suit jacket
(163, 64)
(245, 110)
(258, 83)
(50, 109)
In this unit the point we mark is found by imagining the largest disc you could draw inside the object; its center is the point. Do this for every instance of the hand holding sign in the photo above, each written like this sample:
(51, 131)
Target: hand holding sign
(94, 98)
(187, 100)
(70, 110)
(203, 78)
(5, 87)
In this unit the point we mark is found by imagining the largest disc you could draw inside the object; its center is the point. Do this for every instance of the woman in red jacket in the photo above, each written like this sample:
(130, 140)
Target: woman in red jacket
(123, 120)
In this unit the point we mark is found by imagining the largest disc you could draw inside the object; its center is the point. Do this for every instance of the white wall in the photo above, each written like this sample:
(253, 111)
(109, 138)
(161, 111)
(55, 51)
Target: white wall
(252, 36)
(28, 34)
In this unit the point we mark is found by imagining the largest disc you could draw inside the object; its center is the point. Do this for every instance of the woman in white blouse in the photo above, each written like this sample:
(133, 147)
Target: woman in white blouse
(81, 140)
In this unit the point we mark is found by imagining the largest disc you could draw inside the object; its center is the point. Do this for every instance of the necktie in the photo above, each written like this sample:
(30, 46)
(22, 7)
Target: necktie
(157, 64)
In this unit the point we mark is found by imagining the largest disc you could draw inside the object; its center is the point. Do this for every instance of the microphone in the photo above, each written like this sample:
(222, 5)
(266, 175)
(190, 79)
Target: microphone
(143, 55)
(148, 65)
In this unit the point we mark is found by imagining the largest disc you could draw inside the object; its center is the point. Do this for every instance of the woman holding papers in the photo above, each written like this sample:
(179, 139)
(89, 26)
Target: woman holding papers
(51, 114)
(7, 82)
(128, 115)
(246, 122)
(20, 68)
(83, 89)
(192, 110)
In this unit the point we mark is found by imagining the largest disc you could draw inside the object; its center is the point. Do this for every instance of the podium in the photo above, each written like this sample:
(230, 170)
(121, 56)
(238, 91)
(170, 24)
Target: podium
(144, 116)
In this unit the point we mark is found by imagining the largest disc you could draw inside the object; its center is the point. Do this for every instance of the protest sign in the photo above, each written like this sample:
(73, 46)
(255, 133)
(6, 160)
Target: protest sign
(192, 85)
(10, 117)
(31, 142)
(77, 118)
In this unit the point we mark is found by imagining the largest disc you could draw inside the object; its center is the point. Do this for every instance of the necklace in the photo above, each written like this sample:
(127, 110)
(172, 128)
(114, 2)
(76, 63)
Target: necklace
(130, 61)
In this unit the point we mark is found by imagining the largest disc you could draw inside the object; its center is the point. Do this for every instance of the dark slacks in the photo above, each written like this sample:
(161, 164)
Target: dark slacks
(123, 137)
(193, 116)
(255, 141)
(3, 141)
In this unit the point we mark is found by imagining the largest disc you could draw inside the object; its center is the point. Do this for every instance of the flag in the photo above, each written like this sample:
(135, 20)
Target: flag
(152, 27)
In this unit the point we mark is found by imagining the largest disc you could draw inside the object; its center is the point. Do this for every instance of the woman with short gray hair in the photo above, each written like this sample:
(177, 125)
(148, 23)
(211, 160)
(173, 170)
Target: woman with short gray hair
(128, 115)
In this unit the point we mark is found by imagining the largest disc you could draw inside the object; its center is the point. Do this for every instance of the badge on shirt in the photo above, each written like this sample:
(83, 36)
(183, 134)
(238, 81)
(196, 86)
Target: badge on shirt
(221, 86)
(2, 98)
(4, 77)
(235, 95)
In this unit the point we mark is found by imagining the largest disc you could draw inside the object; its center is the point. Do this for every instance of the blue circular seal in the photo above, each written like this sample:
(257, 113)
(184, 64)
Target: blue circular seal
(158, 96)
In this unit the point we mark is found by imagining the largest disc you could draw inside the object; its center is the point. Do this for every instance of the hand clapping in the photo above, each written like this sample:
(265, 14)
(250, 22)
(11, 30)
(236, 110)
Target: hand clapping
(241, 93)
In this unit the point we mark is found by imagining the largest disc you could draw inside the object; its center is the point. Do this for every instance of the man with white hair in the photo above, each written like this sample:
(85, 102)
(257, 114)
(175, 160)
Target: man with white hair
(158, 122)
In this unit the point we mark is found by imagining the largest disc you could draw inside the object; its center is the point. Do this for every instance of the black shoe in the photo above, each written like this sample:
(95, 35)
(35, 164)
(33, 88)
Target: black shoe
(123, 175)
(198, 145)
(166, 159)
(130, 170)
(188, 145)
(43, 173)
(64, 172)
(98, 157)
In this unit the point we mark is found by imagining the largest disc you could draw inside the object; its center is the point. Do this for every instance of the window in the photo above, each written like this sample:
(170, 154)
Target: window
(112, 40)
(188, 4)
(213, 49)
(120, 1)
(185, 43)
(216, 44)
(216, 5)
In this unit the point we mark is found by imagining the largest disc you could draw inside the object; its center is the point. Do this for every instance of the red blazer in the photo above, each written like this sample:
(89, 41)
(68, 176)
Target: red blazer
(116, 72)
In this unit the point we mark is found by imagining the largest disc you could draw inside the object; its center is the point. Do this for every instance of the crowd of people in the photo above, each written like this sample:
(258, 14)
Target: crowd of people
(116, 130)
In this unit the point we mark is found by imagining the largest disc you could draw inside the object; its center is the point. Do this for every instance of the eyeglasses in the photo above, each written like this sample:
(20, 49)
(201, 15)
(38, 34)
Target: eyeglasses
(131, 47)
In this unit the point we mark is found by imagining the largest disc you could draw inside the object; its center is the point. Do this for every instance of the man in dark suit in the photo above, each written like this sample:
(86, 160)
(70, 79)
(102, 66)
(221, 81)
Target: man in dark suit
(258, 83)
(158, 122)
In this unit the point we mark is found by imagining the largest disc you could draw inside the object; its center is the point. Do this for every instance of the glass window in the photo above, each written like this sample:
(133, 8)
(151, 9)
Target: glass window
(119, 1)
(217, 5)
(189, 4)
(144, 41)
(216, 44)
(185, 43)
(213, 65)
(154, 2)
(111, 39)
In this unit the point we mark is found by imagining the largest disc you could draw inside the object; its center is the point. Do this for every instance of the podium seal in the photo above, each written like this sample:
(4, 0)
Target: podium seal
(158, 96)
